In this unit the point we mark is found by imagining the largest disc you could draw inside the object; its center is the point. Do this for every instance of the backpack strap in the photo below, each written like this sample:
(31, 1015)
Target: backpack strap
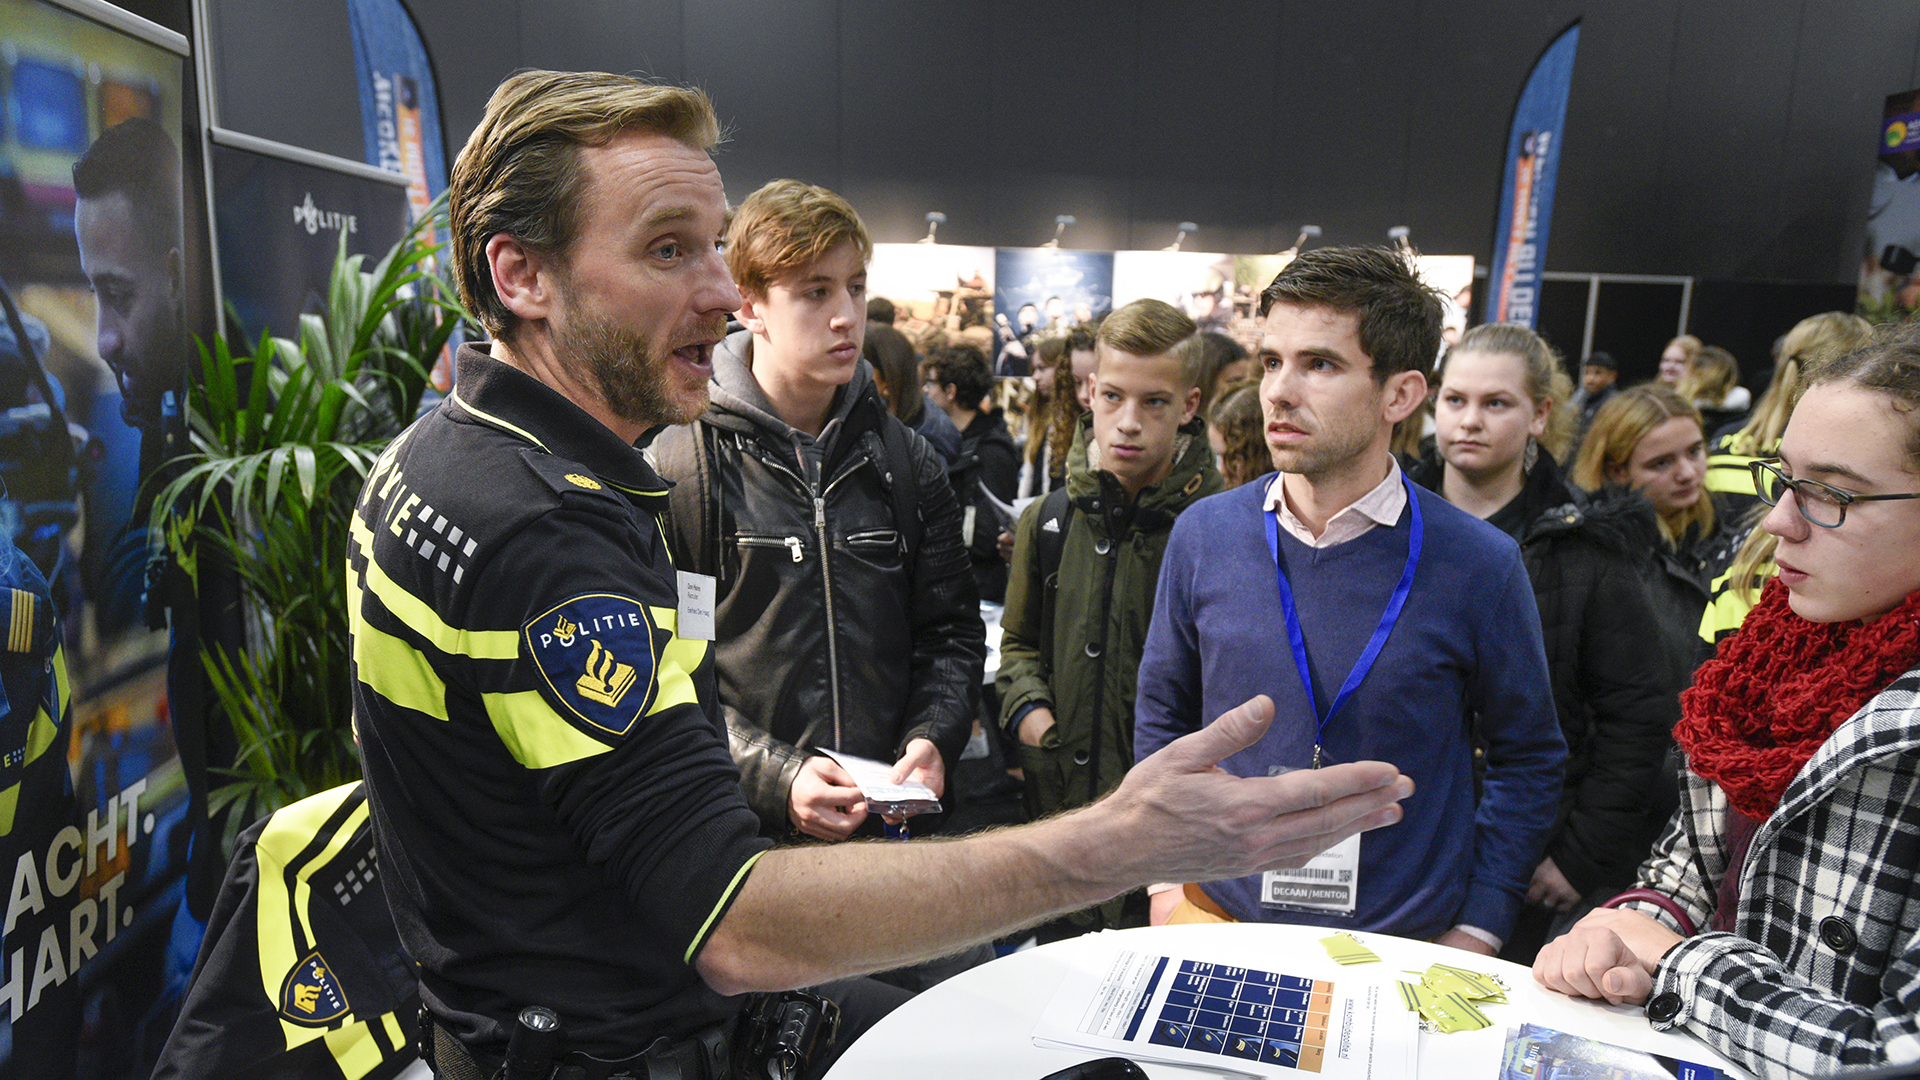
(904, 485)
(691, 504)
(1051, 534)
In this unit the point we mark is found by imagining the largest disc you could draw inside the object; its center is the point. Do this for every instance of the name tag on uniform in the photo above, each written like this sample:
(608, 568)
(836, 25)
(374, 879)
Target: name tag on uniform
(696, 606)
(1327, 884)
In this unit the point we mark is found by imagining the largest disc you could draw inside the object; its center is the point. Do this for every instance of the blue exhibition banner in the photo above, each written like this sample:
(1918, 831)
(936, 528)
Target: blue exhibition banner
(1526, 188)
(400, 111)
(399, 106)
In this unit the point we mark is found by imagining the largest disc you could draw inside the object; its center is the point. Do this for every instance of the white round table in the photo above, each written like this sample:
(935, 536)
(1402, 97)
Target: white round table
(980, 1023)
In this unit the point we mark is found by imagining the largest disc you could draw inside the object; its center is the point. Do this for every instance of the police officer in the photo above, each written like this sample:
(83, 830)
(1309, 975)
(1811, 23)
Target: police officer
(301, 975)
(556, 811)
(40, 1024)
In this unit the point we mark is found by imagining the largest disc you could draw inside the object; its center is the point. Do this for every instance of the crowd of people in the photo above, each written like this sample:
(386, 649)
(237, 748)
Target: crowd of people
(1356, 631)
(1584, 547)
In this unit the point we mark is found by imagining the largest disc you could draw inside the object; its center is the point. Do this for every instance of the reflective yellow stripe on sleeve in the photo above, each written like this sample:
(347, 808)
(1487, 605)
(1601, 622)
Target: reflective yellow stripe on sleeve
(539, 738)
(719, 906)
(396, 670)
(678, 661)
(355, 1051)
(534, 734)
(288, 834)
(1729, 475)
(1728, 609)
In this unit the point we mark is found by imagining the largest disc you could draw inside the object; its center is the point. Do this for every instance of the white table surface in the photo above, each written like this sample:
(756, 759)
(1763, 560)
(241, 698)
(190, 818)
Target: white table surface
(980, 1023)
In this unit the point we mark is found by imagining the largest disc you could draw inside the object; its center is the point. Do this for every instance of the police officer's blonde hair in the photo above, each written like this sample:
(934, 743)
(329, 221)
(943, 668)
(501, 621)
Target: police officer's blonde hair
(520, 172)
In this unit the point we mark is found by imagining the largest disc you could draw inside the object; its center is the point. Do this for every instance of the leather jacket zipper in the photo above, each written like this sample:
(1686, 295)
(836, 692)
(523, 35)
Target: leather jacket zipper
(826, 585)
(791, 543)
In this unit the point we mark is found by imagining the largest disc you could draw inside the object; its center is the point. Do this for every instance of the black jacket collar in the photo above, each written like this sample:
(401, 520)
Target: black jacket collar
(504, 397)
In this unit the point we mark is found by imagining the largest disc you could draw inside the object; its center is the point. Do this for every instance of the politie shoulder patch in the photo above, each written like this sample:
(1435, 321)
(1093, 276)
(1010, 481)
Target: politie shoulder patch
(310, 994)
(596, 653)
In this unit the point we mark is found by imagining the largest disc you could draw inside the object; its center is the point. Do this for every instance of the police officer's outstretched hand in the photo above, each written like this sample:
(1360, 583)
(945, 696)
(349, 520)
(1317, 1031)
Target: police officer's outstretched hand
(1188, 819)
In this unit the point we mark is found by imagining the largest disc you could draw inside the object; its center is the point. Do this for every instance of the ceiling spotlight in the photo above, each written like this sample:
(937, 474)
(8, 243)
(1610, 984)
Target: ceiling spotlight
(1307, 232)
(934, 220)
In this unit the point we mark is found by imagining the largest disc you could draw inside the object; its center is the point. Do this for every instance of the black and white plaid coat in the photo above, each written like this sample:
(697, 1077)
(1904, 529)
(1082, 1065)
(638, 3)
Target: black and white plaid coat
(1825, 967)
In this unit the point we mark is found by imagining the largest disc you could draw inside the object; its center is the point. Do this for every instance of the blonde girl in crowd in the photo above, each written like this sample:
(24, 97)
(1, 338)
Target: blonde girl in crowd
(1501, 416)
(1729, 459)
(1651, 439)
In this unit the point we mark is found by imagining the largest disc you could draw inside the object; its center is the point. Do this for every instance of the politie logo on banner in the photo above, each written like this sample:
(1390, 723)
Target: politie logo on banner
(1526, 190)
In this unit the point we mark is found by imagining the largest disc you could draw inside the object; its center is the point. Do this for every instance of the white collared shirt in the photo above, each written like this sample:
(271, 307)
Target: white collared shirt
(1381, 506)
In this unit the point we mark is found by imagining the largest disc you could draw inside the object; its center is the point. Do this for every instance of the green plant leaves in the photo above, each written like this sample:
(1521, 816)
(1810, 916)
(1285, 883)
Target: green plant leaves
(282, 439)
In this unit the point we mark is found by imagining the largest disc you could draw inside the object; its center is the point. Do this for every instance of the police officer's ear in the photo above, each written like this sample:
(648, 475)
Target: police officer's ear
(524, 279)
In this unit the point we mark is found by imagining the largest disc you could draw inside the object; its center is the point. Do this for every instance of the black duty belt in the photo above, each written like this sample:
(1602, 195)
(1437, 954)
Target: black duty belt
(776, 1035)
(705, 1055)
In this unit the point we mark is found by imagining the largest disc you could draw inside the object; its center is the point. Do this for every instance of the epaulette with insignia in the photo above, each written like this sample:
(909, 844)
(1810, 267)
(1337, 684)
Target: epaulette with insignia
(567, 477)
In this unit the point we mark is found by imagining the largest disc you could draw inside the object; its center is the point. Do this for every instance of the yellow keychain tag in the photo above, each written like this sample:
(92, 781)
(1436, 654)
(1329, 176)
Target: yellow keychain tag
(1472, 985)
(1451, 1012)
(1442, 1013)
(1347, 949)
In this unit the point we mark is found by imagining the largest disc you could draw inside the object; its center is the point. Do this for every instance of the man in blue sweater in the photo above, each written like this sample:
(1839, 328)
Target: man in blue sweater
(1383, 622)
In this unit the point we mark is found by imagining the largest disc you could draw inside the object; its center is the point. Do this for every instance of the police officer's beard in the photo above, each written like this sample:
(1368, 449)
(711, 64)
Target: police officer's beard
(632, 380)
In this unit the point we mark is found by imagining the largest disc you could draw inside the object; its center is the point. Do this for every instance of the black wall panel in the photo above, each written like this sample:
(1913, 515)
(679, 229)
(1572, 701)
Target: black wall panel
(774, 72)
(1207, 130)
(915, 92)
(640, 36)
(1744, 317)
(1715, 138)
(1346, 103)
(285, 72)
(1634, 321)
(474, 44)
(1060, 133)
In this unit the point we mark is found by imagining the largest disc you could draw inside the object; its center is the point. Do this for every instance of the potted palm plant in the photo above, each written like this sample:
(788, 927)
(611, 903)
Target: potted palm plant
(281, 440)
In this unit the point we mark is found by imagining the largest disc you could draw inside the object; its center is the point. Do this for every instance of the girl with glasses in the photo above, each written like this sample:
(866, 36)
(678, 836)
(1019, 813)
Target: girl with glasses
(1779, 916)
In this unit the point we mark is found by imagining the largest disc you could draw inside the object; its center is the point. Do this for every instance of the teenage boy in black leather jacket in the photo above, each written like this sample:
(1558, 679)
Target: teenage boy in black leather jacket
(837, 624)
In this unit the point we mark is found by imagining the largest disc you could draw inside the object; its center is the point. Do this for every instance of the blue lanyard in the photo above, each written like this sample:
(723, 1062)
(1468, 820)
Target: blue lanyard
(1298, 639)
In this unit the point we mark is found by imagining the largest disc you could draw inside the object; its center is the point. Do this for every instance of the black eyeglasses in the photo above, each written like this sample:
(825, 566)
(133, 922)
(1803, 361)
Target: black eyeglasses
(1819, 503)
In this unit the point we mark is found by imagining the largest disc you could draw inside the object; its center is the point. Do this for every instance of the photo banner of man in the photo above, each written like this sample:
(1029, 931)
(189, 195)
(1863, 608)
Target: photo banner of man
(1451, 275)
(1044, 292)
(1526, 187)
(1890, 262)
(93, 802)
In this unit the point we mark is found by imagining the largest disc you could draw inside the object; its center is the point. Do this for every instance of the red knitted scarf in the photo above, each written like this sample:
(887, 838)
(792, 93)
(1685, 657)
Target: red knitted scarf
(1779, 686)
